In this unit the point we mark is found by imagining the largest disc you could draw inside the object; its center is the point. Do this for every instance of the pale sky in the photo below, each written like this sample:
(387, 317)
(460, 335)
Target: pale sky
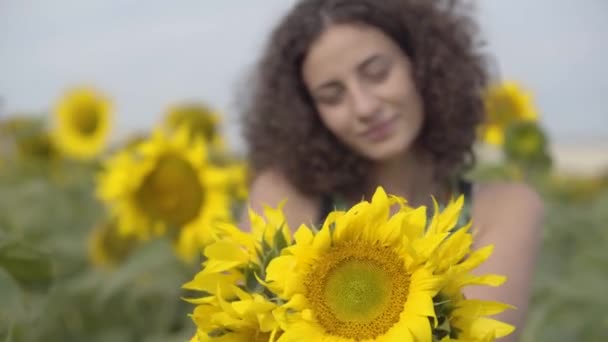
(147, 55)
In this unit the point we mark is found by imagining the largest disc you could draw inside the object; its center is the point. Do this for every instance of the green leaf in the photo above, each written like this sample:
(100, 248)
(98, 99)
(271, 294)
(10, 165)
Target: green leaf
(12, 306)
(30, 267)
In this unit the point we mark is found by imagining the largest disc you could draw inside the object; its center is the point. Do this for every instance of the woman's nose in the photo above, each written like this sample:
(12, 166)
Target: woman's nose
(364, 103)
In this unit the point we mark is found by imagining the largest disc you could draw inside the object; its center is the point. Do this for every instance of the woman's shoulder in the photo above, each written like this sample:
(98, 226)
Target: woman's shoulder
(271, 187)
(498, 204)
(507, 193)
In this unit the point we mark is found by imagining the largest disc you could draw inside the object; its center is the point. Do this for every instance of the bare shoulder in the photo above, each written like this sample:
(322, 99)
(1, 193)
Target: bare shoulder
(271, 187)
(508, 196)
(496, 204)
(509, 217)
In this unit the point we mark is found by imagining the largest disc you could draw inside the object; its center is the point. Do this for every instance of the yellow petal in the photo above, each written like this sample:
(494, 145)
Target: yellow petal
(349, 226)
(426, 246)
(477, 308)
(434, 225)
(484, 326)
(420, 327)
(224, 255)
(304, 331)
(493, 280)
(398, 333)
(201, 316)
(390, 233)
(424, 281)
(303, 235)
(453, 250)
(449, 216)
(494, 135)
(322, 240)
(280, 276)
(209, 282)
(420, 303)
(475, 259)
(248, 307)
(414, 223)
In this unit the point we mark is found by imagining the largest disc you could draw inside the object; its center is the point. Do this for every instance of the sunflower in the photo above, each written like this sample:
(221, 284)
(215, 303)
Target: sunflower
(235, 305)
(200, 119)
(83, 119)
(363, 276)
(527, 146)
(459, 318)
(28, 137)
(165, 186)
(238, 173)
(107, 247)
(246, 318)
(505, 104)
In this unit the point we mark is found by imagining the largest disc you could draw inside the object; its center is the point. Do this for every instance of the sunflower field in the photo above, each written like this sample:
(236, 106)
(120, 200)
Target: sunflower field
(100, 240)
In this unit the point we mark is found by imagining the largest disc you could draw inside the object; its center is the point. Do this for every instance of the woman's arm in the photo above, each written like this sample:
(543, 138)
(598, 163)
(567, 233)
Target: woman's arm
(509, 216)
(270, 188)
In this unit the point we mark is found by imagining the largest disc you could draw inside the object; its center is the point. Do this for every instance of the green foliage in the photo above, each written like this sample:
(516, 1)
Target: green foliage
(50, 291)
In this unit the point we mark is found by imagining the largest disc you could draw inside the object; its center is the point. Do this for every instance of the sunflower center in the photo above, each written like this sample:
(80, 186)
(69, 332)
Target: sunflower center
(116, 246)
(171, 192)
(86, 119)
(358, 290)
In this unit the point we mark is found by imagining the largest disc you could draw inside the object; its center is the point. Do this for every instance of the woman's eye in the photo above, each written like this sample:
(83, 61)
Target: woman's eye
(377, 70)
(331, 96)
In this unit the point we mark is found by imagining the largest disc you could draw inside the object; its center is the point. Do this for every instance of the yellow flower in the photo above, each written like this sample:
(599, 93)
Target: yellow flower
(246, 318)
(362, 277)
(107, 247)
(26, 136)
(38, 146)
(201, 120)
(459, 318)
(238, 260)
(165, 185)
(238, 173)
(365, 275)
(526, 146)
(82, 123)
(505, 104)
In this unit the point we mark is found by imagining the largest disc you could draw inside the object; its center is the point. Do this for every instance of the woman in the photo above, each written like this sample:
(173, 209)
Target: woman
(353, 94)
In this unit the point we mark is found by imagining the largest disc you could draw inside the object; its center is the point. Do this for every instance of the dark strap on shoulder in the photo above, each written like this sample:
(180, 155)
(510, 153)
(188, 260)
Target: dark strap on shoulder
(327, 206)
(465, 188)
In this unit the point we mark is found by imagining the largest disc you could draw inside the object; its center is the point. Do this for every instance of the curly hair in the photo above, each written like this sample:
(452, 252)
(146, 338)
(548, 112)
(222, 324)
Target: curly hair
(283, 129)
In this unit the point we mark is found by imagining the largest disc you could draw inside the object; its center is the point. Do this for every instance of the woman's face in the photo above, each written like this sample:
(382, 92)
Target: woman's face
(361, 83)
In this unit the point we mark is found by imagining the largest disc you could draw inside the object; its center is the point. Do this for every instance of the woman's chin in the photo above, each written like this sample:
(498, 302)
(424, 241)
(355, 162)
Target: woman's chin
(387, 151)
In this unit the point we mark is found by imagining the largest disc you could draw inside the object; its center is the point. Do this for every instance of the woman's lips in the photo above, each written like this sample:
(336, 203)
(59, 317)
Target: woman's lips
(380, 131)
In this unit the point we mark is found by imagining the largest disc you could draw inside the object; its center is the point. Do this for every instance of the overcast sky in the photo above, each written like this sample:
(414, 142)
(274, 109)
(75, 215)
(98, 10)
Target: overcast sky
(149, 56)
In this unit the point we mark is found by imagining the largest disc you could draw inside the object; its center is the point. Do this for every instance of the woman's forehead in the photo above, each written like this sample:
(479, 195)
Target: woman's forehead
(342, 48)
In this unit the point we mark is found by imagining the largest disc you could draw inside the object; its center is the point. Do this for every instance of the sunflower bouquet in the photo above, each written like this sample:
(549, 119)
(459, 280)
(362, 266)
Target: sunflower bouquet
(366, 274)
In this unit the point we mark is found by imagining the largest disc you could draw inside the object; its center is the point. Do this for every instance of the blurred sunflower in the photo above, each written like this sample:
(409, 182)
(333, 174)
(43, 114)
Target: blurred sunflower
(83, 118)
(107, 247)
(505, 104)
(527, 145)
(39, 146)
(165, 185)
(238, 174)
(200, 119)
(27, 136)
